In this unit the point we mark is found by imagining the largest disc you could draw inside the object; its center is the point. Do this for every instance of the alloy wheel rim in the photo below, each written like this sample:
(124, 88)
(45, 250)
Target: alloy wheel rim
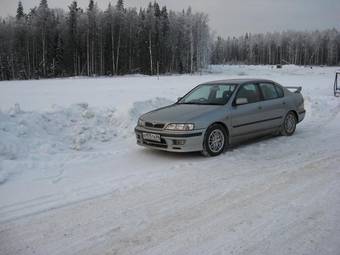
(290, 123)
(216, 141)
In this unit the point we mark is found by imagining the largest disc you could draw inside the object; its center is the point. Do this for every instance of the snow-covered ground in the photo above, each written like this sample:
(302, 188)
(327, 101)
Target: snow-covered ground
(72, 180)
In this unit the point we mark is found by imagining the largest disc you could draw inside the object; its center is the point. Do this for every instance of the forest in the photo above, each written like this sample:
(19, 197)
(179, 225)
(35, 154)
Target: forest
(45, 43)
(49, 42)
(289, 47)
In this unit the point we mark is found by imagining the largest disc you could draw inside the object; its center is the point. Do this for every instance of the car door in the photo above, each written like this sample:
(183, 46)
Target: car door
(272, 105)
(246, 118)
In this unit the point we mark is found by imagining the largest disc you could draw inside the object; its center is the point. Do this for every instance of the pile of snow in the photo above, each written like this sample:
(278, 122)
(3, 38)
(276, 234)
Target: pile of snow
(78, 127)
(33, 135)
(141, 107)
(51, 132)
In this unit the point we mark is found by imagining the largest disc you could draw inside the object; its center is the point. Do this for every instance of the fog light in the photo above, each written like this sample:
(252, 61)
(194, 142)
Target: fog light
(178, 142)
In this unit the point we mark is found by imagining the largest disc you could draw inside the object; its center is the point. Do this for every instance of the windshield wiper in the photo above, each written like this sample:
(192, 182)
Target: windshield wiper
(196, 103)
(189, 103)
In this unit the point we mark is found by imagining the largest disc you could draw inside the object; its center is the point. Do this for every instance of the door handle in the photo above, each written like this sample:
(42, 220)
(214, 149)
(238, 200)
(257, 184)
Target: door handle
(260, 107)
(284, 103)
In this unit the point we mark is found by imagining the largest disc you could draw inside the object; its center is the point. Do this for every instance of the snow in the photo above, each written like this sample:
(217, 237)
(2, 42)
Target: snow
(73, 181)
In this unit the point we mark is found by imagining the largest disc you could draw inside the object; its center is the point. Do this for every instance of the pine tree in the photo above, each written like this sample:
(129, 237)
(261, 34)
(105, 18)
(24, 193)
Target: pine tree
(164, 40)
(59, 56)
(43, 4)
(120, 5)
(151, 26)
(43, 20)
(72, 21)
(110, 41)
(91, 5)
(120, 22)
(91, 38)
(20, 11)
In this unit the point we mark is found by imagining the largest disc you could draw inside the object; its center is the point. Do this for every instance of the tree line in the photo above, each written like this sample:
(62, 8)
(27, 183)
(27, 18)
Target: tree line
(289, 47)
(47, 42)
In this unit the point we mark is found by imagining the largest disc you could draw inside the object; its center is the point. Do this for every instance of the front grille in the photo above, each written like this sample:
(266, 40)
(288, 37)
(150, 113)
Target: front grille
(162, 144)
(154, 125)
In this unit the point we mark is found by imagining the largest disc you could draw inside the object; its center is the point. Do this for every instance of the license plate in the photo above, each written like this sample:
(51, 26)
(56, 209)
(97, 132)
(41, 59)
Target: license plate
(151, 137)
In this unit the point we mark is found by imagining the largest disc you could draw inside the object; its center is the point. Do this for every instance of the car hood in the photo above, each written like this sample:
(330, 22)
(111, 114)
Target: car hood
(180, 113)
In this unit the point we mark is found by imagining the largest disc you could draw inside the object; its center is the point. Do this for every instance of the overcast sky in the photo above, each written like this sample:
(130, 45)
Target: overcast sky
(232, 17)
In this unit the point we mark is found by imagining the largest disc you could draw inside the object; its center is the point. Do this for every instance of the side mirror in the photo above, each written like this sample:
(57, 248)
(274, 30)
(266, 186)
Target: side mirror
(241, 101)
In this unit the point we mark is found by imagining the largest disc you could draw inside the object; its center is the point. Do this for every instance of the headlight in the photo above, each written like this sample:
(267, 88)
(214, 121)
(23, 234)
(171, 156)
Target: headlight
(141, 123)
(180, 127)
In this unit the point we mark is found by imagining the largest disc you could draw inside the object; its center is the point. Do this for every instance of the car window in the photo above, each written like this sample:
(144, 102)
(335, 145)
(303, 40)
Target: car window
(224, 91)
(250, 92)
(199, 94)
(217, 94)
(269, 91)
(279, 91)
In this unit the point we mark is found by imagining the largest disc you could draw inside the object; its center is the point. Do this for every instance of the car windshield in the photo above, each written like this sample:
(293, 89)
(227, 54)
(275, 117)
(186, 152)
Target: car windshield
(209, 94)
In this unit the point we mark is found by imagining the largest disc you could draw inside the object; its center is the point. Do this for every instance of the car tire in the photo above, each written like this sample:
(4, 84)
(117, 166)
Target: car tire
(289, 124)
(215, 140)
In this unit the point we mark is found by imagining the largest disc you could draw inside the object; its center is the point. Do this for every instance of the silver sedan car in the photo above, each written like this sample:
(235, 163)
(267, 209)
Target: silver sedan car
(217, 114)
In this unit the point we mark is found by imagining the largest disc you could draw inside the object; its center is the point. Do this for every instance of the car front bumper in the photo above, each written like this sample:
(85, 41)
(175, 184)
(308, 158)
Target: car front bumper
(175, 141)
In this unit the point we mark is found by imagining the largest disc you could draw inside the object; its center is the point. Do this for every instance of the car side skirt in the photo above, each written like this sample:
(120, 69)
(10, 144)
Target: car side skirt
(251, 135)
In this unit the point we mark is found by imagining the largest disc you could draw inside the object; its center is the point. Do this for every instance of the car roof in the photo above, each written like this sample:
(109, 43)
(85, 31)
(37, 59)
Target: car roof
(237, 81)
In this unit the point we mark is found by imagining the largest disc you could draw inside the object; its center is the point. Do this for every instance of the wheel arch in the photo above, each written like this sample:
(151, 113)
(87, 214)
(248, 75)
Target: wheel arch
(223, 125)
(295, 114)
(218, 123)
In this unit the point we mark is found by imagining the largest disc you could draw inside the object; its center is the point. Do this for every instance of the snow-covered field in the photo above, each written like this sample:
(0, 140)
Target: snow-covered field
(72, 180)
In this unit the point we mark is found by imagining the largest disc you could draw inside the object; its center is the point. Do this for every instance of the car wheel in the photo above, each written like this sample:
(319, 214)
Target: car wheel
(289, 124)
(215, 140)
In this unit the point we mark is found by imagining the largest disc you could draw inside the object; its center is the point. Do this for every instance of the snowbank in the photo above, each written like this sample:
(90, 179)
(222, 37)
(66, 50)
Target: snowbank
(141, 107)
(79, 127)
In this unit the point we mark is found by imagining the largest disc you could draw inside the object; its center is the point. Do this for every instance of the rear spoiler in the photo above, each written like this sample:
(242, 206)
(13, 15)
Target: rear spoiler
(297, 89)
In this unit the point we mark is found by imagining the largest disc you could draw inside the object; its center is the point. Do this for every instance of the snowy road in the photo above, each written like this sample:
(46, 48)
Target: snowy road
(73, 181)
